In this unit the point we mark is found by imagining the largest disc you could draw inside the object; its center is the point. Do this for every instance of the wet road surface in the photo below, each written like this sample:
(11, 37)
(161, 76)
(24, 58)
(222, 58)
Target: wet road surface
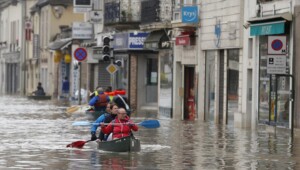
(34, 135)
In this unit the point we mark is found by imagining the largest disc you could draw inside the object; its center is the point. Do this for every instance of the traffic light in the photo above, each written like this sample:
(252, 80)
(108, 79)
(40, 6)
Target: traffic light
(106, 48)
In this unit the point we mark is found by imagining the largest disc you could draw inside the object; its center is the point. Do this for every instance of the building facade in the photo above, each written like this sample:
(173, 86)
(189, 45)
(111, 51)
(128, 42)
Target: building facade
(270, 73)
(11, 58)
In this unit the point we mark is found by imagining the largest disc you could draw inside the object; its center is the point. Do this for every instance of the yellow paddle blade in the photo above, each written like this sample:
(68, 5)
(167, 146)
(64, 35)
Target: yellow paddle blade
(72, 109)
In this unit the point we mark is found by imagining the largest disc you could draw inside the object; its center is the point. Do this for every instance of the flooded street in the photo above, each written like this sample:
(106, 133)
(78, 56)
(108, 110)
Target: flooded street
(34, 135)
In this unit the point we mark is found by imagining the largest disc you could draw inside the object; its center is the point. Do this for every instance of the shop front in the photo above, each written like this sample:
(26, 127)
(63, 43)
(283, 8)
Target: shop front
(275, 79)
(62, 59)
(12, 77)
(221, 85)
(133, 62)
(186, 77)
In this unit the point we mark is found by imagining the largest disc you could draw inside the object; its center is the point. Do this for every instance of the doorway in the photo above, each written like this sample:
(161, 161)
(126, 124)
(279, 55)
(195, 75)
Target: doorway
(189, 93)
(210, 68)
(152, 80)
(232, 84)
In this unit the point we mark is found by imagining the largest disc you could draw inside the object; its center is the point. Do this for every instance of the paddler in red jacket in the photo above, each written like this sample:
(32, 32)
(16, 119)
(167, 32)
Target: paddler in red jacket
(121, 126)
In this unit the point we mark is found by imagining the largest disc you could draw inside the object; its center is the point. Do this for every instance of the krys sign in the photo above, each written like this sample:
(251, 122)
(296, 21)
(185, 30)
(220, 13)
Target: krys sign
(189, 14)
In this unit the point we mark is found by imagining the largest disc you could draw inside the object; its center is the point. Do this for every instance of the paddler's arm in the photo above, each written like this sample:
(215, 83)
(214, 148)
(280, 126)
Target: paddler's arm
(97, 123)
(106, 129)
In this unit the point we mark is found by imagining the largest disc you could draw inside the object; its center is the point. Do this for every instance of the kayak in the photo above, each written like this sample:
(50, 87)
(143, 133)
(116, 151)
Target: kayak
(93, 115)
(39, 97)
(126, 144)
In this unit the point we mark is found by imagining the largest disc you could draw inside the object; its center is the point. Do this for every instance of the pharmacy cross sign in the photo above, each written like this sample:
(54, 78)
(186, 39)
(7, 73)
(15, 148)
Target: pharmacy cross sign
(80, 54)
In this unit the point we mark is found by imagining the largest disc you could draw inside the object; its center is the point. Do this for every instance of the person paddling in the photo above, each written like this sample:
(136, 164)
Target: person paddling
(100, 101)
(111, 113)
(120, 127)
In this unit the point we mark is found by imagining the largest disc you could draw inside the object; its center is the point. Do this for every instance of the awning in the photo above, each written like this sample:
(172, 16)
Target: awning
(269, 28)
(269, 25)
(60, 44)
(155, 39)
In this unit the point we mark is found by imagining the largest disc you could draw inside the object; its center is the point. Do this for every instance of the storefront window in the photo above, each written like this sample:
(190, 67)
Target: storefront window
(273, 90)
(210, 85)
(166, 81)
(122, 73)
(152, 71)
(232, 83)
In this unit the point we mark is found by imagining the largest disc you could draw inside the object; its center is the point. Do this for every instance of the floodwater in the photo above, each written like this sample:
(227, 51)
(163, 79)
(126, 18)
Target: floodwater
(34, 135)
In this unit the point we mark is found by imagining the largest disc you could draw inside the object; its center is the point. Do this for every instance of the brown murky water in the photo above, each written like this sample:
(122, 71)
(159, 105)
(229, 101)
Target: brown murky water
(34, 135)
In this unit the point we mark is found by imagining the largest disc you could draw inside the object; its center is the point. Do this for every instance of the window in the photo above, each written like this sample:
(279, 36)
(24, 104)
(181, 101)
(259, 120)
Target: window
(152, 69)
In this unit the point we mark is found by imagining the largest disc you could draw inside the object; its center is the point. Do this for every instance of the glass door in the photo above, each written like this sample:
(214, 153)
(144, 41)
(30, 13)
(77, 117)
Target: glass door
(210, 85)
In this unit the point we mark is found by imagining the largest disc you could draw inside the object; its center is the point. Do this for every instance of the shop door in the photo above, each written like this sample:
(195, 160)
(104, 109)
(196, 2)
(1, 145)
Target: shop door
(232, 84)
(210, 67)
(152, 79)
(189, 93)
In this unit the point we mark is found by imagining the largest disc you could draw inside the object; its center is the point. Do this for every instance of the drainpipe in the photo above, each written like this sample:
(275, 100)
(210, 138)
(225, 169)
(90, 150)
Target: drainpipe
(23, 50)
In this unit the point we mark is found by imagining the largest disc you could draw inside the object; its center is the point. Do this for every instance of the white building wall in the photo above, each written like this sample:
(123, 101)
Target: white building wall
(8, 15)
(228, 15)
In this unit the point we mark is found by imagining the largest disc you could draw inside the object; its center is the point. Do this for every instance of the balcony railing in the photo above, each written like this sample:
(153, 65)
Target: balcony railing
(156, 11)
(122, 12)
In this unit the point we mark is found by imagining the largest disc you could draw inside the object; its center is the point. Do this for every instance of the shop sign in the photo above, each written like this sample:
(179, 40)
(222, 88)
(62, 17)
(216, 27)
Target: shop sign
(165, 45)
(136, 40)
(189, 14)
(183, 40)
(131, 41)
(82, 30)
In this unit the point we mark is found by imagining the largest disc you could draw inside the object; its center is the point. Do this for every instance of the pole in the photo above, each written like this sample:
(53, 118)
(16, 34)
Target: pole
(23, 52)
(79, 90)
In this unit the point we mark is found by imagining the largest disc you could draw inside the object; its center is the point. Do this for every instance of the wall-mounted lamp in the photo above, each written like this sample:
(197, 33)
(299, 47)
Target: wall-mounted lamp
(246, 25)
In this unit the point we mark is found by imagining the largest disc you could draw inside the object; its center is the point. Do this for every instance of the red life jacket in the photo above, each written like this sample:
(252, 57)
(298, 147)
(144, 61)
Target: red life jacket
(102, 101)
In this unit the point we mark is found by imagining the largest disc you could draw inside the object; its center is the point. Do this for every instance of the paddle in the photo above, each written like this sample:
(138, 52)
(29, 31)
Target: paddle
(147, 123)
(126, 105)
(73, 109)
(78, 144)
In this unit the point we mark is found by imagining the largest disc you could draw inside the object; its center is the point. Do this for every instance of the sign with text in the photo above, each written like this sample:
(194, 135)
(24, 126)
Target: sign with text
(82, 30)
(276, 64)
(183, 40)
(136, 40)
(82, 6)
(189, 14)
(132, 41)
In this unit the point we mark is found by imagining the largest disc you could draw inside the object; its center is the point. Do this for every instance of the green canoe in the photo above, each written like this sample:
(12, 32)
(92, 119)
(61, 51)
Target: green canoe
(39, 97)
(93, 115)
(126, 144)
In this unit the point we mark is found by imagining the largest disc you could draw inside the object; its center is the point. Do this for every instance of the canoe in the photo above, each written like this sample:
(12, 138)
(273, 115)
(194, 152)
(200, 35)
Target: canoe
(126, 144)
(39, 97)
(93, 115)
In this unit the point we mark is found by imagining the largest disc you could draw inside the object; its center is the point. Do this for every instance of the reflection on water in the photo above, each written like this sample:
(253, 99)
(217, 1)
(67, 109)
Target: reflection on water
(34, 136)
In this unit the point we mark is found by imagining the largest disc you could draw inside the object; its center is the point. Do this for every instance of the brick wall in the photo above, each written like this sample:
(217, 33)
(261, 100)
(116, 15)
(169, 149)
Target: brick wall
(133, 81)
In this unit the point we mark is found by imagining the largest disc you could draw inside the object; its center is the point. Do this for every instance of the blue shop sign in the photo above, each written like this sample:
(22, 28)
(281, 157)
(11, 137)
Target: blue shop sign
(136, 40)
(189, 14)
